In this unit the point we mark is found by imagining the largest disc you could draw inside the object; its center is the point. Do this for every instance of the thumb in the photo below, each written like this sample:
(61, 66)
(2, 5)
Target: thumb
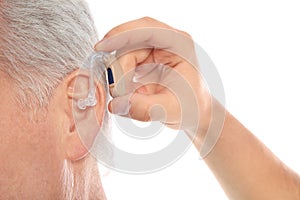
(142, 107)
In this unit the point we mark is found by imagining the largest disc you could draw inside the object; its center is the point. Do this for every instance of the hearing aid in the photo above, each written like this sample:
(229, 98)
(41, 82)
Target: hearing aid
(105, 62)
(115, 78)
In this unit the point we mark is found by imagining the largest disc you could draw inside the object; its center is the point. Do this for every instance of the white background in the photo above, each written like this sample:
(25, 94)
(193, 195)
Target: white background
(255, 46)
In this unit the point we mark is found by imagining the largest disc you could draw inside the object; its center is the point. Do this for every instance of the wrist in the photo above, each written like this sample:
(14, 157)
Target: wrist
(210, 125)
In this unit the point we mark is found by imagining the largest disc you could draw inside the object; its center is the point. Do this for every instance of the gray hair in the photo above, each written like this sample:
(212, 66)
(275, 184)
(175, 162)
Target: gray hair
(41, 42)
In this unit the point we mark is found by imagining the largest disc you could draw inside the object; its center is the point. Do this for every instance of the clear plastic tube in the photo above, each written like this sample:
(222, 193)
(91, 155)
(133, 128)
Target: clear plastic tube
(96, 59)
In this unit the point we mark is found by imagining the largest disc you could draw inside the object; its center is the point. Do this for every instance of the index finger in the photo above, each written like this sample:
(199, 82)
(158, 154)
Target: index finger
(147, 33)
(145, 22)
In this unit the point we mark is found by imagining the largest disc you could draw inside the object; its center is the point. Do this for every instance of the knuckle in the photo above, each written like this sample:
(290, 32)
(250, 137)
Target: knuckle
(148, 19)
(185, 33)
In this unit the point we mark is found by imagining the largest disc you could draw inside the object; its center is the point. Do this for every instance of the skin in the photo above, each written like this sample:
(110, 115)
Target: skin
(34, 146)
(245, 168)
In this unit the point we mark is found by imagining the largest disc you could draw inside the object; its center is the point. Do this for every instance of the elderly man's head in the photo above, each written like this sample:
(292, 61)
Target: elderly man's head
(42, 45)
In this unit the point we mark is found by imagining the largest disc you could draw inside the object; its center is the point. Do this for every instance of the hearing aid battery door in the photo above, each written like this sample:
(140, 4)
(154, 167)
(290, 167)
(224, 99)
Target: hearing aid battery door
(116, 80)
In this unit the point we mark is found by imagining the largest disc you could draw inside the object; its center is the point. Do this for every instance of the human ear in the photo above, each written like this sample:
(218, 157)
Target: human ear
(84, 124)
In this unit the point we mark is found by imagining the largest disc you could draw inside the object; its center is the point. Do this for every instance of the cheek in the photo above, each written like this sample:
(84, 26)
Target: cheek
(26, 149)
(11, 150)
(8, 136)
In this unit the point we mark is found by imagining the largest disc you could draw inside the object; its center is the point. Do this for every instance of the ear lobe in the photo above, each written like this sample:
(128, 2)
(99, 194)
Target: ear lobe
(75, 149)
(84, 124)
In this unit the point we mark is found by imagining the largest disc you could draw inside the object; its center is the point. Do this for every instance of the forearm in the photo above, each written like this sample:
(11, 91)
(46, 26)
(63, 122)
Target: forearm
(247, 169)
